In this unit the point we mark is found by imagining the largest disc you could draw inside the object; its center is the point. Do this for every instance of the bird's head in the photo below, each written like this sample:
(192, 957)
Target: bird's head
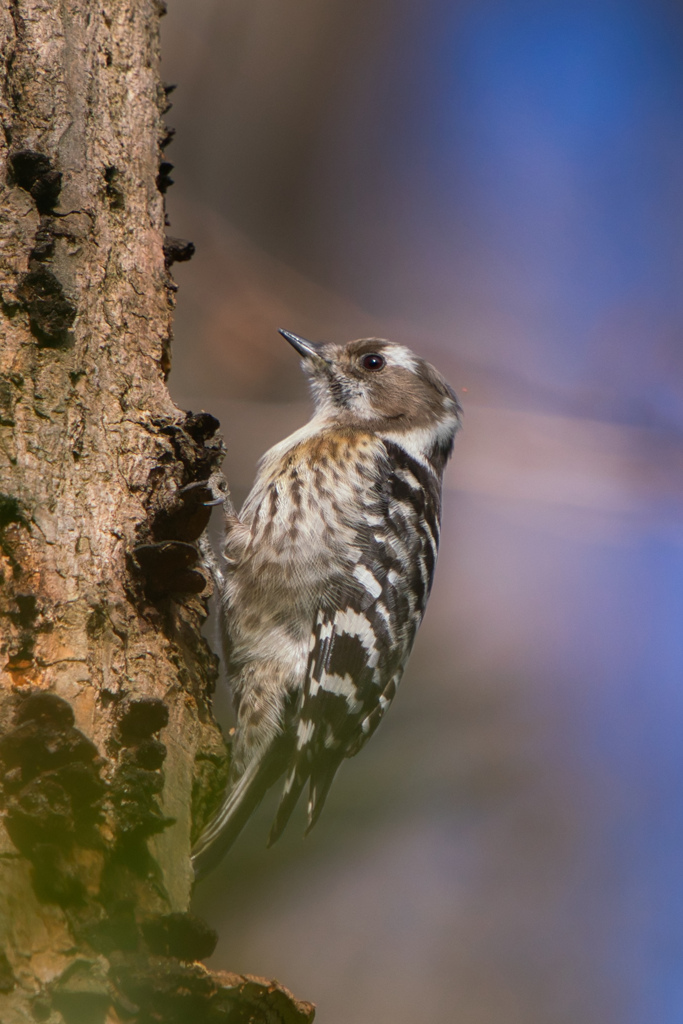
(383, 387)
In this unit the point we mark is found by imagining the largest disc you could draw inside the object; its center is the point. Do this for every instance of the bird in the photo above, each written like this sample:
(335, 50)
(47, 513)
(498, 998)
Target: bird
(325, 575)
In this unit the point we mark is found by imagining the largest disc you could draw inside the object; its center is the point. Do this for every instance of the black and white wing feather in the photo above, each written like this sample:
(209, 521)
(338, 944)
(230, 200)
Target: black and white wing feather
(360, 646)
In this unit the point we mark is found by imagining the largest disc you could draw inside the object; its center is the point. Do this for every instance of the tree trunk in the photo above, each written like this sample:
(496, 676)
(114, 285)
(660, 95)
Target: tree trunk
(105, 713)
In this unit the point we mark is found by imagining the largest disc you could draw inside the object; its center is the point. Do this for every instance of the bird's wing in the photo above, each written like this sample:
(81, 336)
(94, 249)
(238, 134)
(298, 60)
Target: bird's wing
(359, 647)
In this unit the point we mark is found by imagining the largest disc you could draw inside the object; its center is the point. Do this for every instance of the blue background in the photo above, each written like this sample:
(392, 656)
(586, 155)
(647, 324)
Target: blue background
(498, 185)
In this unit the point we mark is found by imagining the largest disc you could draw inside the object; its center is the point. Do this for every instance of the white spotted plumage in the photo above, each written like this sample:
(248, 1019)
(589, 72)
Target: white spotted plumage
(328, 569)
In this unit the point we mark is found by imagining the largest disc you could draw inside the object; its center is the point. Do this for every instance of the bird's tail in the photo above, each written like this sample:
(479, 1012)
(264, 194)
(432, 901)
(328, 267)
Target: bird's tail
(320, 775)
(240, 803)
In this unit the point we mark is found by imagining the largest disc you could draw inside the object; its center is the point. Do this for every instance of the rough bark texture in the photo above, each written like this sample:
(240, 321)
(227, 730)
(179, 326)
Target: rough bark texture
(105, 720)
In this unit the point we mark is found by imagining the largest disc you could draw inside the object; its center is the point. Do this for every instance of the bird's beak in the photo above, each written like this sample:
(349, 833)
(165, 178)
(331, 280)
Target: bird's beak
(303, 347)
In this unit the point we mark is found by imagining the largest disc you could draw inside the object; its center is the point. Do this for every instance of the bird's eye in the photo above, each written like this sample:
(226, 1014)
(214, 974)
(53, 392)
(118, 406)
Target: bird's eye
(373, 361)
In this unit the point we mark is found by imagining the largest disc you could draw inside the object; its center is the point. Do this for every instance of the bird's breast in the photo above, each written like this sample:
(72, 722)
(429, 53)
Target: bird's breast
(307, 503)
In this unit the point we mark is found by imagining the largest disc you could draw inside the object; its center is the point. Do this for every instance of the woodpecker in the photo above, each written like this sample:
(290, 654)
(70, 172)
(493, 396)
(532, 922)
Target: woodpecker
(326, 574)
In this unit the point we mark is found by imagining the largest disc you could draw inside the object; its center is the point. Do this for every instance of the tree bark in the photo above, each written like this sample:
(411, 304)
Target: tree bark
(107, 731)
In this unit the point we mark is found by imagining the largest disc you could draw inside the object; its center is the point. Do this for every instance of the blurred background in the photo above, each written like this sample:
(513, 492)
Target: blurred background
(498, 185)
